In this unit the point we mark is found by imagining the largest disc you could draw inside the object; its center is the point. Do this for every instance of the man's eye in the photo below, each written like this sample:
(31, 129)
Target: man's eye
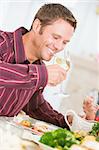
(64, 43)
(55, 38)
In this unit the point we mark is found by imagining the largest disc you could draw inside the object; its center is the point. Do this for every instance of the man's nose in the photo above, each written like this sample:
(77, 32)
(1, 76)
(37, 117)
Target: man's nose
(58, 46)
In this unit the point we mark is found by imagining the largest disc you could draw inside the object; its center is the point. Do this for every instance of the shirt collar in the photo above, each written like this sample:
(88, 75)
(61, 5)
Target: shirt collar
(18, 45)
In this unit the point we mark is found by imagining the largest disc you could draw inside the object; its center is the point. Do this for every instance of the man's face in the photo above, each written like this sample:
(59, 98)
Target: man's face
(53, 39)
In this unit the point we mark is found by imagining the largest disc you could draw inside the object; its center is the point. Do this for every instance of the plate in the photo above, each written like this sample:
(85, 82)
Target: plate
(37, 127)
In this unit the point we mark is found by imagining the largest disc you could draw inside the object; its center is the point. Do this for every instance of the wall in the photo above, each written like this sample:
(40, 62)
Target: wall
(83, 78)
(84, 44)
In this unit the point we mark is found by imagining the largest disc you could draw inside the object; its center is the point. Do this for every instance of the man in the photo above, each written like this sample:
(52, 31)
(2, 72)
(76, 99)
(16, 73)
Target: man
(23, 75)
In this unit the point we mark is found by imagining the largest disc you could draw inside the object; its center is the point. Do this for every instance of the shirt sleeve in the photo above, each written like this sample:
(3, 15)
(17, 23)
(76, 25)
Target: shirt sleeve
(40, 109)
(23, 76)
(19, 76)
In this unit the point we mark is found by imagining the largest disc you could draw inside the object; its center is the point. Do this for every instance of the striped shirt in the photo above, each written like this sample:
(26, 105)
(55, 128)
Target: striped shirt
(22, 83)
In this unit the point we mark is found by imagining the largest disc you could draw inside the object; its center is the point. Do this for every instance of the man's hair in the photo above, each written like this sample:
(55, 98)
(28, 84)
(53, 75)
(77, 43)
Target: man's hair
(51, 12)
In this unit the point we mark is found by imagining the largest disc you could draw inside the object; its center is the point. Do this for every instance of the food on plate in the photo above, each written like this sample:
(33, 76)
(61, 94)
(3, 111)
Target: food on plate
(61, 139)
(41, 128)
(20, 117)
(80, 134)
(95, 131)
(35, 126)
(25, 123)
(89, 138)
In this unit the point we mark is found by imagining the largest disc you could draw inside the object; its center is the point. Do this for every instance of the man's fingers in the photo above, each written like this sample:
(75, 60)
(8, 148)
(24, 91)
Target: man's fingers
(56, 74)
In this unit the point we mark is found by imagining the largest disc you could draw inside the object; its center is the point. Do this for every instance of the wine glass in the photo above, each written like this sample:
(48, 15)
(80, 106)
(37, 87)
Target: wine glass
(65, 62)
(92, 95)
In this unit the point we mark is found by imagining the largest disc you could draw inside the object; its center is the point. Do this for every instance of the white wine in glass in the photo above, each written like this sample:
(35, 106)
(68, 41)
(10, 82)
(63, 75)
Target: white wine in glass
(64, 63)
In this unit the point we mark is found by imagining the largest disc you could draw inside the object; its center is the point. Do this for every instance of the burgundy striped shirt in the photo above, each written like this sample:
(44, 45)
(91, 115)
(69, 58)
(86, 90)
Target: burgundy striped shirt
(22, 83)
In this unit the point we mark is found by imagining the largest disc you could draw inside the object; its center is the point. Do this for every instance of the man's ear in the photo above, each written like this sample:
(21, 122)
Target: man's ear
(36, 25)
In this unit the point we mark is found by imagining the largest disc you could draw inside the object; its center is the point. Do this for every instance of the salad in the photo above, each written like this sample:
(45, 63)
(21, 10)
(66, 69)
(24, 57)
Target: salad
(63, 139)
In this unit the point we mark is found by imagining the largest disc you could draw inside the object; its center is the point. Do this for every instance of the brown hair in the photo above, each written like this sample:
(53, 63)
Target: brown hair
(49, 13)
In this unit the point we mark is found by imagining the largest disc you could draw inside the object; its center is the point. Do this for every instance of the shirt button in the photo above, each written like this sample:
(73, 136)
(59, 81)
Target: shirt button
(40, 88)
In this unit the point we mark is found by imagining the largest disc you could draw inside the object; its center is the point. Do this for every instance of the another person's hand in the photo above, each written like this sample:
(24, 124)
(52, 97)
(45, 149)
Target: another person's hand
(56, 74)
(90, 108)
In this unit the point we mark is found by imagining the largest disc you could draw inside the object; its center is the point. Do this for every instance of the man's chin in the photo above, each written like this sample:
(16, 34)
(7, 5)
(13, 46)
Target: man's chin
(47, 58)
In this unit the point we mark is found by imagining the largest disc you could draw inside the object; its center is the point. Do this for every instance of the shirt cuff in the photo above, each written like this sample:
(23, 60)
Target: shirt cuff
(97, 116)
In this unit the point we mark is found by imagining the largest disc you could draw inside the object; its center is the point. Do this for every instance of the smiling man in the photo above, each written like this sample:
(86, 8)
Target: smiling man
(23, 75)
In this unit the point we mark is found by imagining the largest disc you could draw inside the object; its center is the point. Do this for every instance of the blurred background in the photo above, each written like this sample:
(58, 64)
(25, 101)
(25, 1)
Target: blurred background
(83, 48)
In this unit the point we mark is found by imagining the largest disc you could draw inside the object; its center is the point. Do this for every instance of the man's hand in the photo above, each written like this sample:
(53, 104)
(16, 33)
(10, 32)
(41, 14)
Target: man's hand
(56, 74)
